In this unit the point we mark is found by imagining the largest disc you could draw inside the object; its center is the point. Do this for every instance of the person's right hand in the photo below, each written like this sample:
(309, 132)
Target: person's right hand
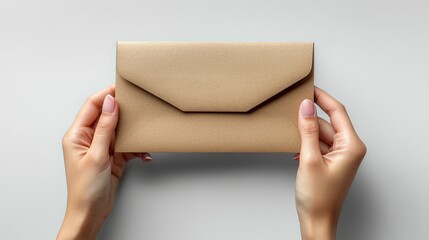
(330, 156)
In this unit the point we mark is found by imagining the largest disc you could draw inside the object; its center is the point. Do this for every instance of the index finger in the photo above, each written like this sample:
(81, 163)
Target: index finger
(336, 111)
(92, 107)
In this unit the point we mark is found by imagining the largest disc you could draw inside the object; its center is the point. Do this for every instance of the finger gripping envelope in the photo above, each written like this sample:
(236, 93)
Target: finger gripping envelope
(211, 96)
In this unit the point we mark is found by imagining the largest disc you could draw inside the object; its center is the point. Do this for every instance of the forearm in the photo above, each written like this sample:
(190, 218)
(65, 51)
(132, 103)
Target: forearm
(79, 226)
(318, 228)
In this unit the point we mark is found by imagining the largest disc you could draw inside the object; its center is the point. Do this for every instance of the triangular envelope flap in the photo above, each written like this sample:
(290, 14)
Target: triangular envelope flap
(214, 76)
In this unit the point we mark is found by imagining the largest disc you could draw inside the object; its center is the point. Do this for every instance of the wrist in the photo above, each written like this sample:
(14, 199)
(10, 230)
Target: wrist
(320, 228)
(78, 225)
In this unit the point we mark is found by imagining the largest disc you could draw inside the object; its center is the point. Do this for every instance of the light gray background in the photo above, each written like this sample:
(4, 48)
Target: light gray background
(371, 55)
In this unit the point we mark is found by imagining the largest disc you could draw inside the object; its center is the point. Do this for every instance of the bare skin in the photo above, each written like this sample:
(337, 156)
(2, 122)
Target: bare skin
(93, 169)
(329, 158)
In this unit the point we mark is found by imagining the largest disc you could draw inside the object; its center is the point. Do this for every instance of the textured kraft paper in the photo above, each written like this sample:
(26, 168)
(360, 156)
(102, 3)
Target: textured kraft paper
(211, 96)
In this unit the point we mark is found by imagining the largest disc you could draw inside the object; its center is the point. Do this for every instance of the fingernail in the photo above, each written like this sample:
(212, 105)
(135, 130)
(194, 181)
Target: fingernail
(148, 156)
(307, 108)
(296, 157)
(109, 104)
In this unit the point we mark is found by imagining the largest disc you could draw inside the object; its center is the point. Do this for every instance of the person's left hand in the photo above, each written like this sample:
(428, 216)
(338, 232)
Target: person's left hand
(93, 169)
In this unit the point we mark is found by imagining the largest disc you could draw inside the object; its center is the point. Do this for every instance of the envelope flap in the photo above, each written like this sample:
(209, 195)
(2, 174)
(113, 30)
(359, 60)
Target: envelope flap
(214, 76)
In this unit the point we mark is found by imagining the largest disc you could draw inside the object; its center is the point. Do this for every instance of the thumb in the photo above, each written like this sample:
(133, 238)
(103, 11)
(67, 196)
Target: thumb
(105, 127)
(308, 127)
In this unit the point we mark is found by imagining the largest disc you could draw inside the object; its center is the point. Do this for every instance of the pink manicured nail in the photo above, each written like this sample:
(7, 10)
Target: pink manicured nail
(307, 108)
(109, 104)
(296, 157)
(147, 156)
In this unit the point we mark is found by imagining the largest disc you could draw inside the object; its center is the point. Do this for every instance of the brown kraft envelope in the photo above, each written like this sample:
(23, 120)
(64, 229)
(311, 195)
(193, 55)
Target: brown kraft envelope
(211, 96)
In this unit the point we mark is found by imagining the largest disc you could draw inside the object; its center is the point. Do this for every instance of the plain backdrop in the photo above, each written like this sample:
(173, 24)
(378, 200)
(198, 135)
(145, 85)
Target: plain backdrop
(371, 55)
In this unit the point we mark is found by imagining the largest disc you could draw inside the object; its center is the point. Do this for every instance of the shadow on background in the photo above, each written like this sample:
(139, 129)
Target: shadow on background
(171, 166)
